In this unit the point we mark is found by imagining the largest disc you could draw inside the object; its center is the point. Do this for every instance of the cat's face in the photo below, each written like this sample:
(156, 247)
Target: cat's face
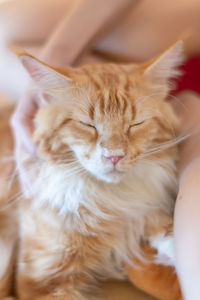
(104, 118)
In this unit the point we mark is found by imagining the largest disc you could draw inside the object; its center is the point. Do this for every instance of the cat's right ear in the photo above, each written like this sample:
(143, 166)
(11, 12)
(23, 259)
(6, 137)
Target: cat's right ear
(46, 78)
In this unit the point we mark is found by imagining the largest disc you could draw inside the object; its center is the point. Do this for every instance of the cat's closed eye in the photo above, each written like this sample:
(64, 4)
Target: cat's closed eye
(87, 125)
(135, 125)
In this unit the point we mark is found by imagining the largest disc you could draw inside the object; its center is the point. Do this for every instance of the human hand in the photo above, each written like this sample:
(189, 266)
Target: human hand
(22, 127)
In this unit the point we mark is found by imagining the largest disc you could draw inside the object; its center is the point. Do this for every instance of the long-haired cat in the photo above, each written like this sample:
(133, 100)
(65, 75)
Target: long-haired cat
(104, 179)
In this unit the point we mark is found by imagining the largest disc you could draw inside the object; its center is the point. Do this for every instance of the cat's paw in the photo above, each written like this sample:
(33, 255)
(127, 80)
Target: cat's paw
(165, 249)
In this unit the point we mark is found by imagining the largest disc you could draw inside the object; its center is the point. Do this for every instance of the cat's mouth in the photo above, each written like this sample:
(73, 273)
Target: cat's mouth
(115, 171)
(115, 174)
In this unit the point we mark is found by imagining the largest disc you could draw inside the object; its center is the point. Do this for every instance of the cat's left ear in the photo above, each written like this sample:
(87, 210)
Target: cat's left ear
(45, 77)
(165, 67)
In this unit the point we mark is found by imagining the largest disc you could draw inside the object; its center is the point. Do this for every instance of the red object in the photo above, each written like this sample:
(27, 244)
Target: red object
(190, 80)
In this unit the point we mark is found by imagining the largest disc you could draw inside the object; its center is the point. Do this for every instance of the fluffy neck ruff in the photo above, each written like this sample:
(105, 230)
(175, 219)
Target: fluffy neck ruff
(148, 186)
(81, 203)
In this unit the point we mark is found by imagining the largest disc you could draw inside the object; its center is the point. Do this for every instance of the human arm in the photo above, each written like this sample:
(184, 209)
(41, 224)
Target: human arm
(83, 23)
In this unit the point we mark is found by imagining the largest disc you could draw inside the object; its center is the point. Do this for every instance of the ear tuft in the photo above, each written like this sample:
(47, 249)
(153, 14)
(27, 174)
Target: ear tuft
(45, 77)
(165, 67)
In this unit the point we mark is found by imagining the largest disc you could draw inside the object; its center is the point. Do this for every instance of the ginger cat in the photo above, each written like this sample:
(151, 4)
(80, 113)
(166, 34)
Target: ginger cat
(104, 179)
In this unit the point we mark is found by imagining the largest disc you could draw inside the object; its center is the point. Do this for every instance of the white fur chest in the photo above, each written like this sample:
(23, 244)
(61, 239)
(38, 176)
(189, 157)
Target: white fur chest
(149, 187)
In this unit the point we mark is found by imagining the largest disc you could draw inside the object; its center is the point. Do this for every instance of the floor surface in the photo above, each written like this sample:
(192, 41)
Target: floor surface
(123, 291)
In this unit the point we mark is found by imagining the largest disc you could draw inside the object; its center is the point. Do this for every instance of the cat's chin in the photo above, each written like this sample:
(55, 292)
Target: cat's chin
(111, 177)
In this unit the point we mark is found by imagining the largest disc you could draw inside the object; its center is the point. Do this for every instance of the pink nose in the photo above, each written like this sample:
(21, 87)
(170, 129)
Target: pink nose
(114, 159)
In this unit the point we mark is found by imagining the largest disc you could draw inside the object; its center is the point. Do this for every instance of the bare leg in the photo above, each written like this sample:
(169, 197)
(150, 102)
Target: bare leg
(187, 228)
(151, 27)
